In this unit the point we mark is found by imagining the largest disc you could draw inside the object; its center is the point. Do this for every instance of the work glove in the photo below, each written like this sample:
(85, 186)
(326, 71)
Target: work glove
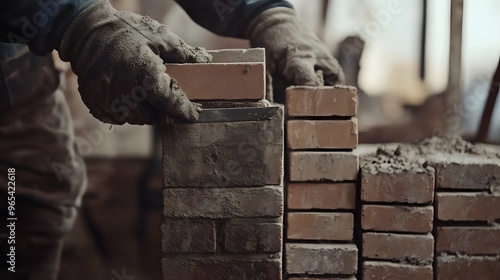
(295, 56)
(119, 60)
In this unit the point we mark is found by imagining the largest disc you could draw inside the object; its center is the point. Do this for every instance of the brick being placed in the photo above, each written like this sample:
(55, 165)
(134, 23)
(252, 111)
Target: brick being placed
(322, 166)
(467, 206)
(467, 267)
(320, 226)
(322, 134)
(397, 218)
(232, 75)
(392, 176)
(468, 240)
(376, 270)
(321, 259)
(417, 249)
(325, 196)
(305, 101)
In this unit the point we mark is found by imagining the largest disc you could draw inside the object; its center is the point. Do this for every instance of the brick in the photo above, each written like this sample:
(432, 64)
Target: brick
(394, 218)
(467, 207)
(247, 236)
(227, 154)
(220, 268)
(395, 271)
(216, 81)
(322, 134)
(323, 166)
(464, 171)
(468, 240)
(328, 196)
(304, 101)
(467, 268)
(223, 203)
(186, 236)
(402, 187)
(412, 249)
(238, 55)
(318, 259)
(320, 226)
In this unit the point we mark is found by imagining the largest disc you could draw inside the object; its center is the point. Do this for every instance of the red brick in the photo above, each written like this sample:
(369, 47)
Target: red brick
(187, 236)
(304, 101)
(319, 259)
(405, 186)
(223, 203)
(322, 134)
(320, 226)
(395, 271)
(329, 196)
(413, 249)
(226, 154)
(327, 278)
(397, 218)
(217, 268)
(464, 171)
(467, 268)
(215, 81)
(469, 240)
(467, 207)
(248, 236)
(323, 166)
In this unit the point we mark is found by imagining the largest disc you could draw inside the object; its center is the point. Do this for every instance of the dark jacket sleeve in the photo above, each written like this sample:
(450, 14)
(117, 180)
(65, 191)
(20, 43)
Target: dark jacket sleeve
(228, 17)
(38, 23)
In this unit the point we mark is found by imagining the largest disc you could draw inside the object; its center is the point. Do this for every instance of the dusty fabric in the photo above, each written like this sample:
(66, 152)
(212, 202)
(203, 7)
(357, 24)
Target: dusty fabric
(294, 54)
(36, 139)
(119, 60)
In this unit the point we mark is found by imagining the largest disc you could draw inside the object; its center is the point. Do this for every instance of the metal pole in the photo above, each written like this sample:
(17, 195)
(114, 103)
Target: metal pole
(423, 39)
(452, 94)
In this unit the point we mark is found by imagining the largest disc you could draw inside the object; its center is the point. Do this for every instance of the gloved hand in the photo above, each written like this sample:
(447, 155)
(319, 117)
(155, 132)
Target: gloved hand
(118, 58)
(295, 56)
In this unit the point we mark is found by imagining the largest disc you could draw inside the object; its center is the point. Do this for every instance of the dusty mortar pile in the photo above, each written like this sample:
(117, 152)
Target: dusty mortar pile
(392, 159)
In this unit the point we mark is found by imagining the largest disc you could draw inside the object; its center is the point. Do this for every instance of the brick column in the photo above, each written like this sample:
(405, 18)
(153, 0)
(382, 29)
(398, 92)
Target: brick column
(321, 133)
(223, 187)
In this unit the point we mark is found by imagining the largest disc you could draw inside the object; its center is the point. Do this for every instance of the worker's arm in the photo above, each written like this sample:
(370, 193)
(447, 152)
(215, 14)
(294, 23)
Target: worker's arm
(118, 56)
(295, 55)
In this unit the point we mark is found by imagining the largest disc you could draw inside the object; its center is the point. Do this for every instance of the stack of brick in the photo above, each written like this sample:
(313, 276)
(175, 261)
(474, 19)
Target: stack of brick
(396, 216)
(321, 192)
(467, 204)
(223, 186)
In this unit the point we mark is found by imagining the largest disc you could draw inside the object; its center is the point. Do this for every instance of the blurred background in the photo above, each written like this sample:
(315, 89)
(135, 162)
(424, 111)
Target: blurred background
(397, 52)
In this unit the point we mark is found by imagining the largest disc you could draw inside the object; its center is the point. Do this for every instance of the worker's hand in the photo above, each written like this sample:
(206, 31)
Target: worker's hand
(295, 56)
(118, 58)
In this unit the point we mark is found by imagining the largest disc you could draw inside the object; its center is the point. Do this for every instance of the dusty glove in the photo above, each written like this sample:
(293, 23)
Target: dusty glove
(118, 58)
(295, 56)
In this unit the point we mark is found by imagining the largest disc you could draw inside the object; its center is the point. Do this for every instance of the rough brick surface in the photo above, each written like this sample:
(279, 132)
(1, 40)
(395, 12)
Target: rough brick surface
(220, 268)
(322, 134)
(186, 236)
(402, 187)
(462, 171)
(327, 278)
(317, 259)
(223, 203)
(467, 207)
(320, 226)
(247, 236)
(306, 101)
(395, 271)
(323, 166)
(229, 154)
(397, 218)
(413, 249)
(329, 196)
(467, 268)
(215, 81)
(469, 240)
(238, 55)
